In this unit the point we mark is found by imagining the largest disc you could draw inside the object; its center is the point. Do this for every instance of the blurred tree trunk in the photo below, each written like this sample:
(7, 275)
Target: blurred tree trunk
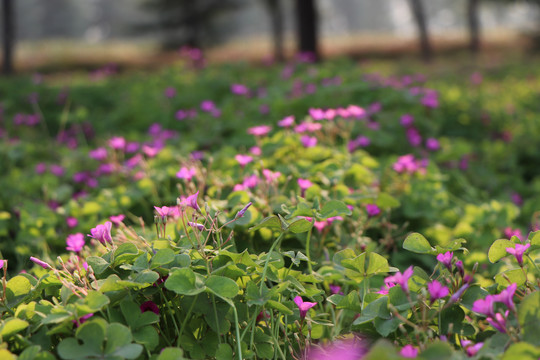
(306, 18)
(474, 25)
(276, 15)
(8, 19)
(421, 22)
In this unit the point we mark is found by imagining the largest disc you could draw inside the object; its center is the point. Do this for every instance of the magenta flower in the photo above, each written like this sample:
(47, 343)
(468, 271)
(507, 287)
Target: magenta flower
(409, 351)
(149, 306)
(509, 232)
(406, 120)
(470, 348)
(518, 252)
(372, 210)
(507, 296)
(117, 143)
(40, 168)
(270, 175)
(163, 211)
(170, 92)
(208, 106)
(41, 263)
(437, 290)
(316, 114)
(335, 289)
(343, 350)
(57, 170)
(308, 141)
(499, 321)
(150, 151)
(432, 144)
(75, 242)
(195, 225)
(186, 173)
(516, 199)
(356, 111)
(243, 160)
(71, 222)
(303, 306)
(261, 130)
(413, 135)
(2, 263)
(484, 306)
(99, 154)
(191, 201)
(117, 219)
(286, 122)
(239, 89)
(82, 319)
(102, 233)
(401, 279)
(255, 150)
(304, 185)
(446, 259)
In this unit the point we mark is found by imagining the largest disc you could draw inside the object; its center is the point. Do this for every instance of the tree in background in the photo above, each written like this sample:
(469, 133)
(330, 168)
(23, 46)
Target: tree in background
(276, 15)
(187, 22)
(417, 8)
(8, 20)
(307, 27)
(473, 21)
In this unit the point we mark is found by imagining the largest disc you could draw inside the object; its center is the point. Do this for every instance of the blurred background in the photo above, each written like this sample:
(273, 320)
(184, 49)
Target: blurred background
(48, 35)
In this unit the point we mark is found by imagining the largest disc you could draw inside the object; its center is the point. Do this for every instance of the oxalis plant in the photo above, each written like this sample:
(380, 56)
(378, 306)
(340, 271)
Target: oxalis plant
(190, 293)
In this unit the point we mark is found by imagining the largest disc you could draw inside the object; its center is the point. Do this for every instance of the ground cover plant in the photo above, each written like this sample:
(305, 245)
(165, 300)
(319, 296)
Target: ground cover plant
(305, 211)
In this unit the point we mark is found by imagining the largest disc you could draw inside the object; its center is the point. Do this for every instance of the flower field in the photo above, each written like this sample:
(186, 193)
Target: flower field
(297, 211)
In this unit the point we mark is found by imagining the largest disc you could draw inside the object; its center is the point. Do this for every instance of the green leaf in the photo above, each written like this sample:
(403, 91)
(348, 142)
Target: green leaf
(300, 226)
(522, 351)
(382, 350)
(30, 353)
(98, 264)
(513, 276)
(264, 350)
(452, 318)
(385, 201)
(12, 326)
(279, 307)
(343, 255)
(222, 286)
(376, 308)
(529, 318)
(386, 326)
(18, 286)
(437, 350)
(224, 352)
(534, 238)
(117, 336)
(147, 336)
(125, 252)
(93, 302)
(171, 354)
(146, 277)
(417, 243)
(162, 257)
(271, 222)
(376, 264)
(497, 250)
(350, 302)
(334, 208)
(184, 282)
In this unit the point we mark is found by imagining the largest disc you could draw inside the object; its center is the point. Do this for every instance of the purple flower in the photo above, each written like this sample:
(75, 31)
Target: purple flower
(516, 199)
(372, 210)
(409, 351)
(41, 263)
(150, 151)
(446, 259)
(243, 211)
(40, 168)
(437, 290)
(191, 201)
(303, 306)
(401, 279)
(71, 222)
(413, 135)
(102, 233)
(470, 348)
(82, 319)
(2, 263)
(75, 242)
(99, 154)
(304, 185)
(499, 321)
(518, 252)
(239, 89)
(484, 306)
(343, 350)
(149, 306)
(255, 150)
(196, 225)
(335, 289)
(308, 141)
(57, 170)
(507, 296)
(208, 106)
(270, 175)
(509, 232)
(170, 92)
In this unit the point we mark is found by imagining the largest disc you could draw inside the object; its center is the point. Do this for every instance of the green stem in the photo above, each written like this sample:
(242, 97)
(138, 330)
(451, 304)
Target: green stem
(184, 323)
(267, 261)
(535, 266)
(308, 243)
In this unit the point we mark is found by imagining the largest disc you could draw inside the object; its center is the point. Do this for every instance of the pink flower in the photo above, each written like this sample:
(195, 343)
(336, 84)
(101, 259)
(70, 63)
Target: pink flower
(518, 252)
(261, 130)
(342, 350)
(2, 263)
(437, 290)
(191, 201)
(40, 168)
(82, 319)
(170, 92)
(57, 170)
(243, 160)
(41, 263)
(446, 259)
(286, 122)
(356, 111)
(239, 89)
(499, 321)
(99, 154)
(270, 175)
(150, 151)
(409, 351)
(476, 78)
(304, 185)
(413, 135)
(372, 210)
(470, 348)
(255, 150)
(117, 219)
(509, 232)
(117, 143)
(208, 106)
(401, 279)
(484, 306)
(507, 296)
(303, 306)
(432, 144)
(75, 242)
(516, 199)
(71, 222)
(163, 211)
(317, 114)
(186, 173)
(406, 120)
(242, 211)
(102, 233)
